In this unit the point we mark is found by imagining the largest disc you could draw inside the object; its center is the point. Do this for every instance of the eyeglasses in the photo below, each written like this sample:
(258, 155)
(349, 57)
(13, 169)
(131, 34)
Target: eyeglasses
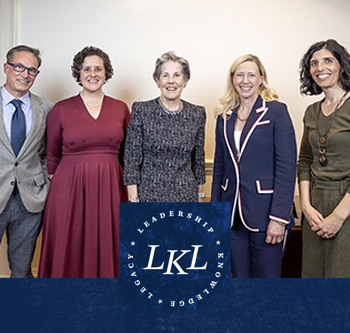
(19, 68)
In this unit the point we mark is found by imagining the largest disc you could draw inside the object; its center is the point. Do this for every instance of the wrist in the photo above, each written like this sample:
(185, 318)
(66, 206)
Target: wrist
(279, 223)
(304, 205)
(339, 216)
(201, 195)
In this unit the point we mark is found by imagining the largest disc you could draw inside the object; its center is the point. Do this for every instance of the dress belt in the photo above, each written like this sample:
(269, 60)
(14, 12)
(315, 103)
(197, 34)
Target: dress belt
(340, 185)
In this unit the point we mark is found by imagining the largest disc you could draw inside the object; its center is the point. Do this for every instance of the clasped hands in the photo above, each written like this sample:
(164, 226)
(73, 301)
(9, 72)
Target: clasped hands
(325, 227)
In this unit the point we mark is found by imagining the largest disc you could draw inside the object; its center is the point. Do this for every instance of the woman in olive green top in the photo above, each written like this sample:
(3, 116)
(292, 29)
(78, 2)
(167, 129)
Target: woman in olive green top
(324, 162)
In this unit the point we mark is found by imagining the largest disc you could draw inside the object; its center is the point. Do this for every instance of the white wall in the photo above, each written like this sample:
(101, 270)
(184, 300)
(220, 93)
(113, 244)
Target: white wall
(7, 39)
(210, 34)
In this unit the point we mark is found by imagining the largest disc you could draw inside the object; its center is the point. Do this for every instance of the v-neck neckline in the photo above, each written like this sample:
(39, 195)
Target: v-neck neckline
(87, 111)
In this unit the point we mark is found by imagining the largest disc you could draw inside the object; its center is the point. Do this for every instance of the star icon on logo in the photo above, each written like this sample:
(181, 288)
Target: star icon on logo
(218, 242)
(132, 243)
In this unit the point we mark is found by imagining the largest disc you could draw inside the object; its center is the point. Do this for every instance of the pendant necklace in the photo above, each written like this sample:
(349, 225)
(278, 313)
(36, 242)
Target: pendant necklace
(243, 120)
(321, 142)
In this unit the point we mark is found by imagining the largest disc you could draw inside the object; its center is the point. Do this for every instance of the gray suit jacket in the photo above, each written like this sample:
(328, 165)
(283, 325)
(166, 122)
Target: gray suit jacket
(29, 167)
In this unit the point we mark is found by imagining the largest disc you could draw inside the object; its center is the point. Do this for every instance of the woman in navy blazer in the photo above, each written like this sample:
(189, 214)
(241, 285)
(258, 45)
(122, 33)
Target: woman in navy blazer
(255, 169)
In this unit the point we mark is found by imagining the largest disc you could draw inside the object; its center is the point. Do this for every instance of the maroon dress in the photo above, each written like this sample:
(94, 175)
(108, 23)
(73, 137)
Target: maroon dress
(81, 221)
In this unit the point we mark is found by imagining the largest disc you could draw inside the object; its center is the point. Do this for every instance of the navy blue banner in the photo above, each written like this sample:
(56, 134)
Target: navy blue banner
(174, 278)
(88, 305)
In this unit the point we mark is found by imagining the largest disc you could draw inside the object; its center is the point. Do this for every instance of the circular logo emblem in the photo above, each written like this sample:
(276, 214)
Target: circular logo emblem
(174, 254)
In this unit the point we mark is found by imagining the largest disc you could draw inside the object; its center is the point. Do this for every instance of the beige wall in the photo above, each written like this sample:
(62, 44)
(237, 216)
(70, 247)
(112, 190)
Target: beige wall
(7, 39)
(210, 34)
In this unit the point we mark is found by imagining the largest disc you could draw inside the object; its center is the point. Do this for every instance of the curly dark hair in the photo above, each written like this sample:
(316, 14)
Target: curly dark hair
(86, 52)
(308, 85)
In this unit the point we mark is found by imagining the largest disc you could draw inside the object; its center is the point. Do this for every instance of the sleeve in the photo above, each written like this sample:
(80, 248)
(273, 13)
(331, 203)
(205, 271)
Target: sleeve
(54, 139)
(125, 127)
(133, 156)
(198, 160)
(218, 171)
(43, 148)
(305, 156)
(285, 167)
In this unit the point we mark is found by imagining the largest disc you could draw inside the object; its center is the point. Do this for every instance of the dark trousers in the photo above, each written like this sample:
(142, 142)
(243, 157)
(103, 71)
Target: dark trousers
(251, 256)
(22, 229)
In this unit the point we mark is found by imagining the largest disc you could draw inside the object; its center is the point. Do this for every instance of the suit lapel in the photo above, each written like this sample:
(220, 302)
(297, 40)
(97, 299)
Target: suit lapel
(258, 112)
(230, 129)
(3, 135)
(229, 125)
(37, 114)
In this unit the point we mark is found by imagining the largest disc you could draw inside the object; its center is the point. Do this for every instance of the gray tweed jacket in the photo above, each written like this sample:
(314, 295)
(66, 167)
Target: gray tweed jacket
(29, 167)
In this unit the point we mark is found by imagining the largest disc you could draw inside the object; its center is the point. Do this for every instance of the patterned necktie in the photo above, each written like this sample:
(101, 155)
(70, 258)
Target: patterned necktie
(18, 127)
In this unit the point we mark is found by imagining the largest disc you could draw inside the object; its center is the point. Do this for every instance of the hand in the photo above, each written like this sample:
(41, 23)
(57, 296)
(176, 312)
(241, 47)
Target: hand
(313, 216)
(329, 227)
(132, 193)
(200, 191)
(275, 233)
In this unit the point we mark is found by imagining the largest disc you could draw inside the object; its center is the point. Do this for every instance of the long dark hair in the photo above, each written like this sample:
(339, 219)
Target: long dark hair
(308, 85)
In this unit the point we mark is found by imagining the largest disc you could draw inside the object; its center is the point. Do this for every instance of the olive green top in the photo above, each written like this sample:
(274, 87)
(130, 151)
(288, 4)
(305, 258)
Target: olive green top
(337, 145)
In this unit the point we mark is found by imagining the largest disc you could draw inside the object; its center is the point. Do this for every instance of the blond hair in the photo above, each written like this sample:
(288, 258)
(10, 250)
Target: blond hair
(231, 100)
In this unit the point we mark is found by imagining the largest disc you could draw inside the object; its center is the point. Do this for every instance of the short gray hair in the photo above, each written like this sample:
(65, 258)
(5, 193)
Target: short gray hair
(171, 56)
(23, 48)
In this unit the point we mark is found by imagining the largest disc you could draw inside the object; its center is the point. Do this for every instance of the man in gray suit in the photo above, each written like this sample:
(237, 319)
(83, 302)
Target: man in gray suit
(23, 173)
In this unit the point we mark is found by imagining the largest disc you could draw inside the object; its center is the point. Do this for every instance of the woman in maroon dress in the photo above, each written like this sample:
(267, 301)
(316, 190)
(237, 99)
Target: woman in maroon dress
(85, 140)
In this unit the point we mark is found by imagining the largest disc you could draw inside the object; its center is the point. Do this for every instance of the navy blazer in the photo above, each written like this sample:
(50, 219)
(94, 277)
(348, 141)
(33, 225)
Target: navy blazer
(259, 182)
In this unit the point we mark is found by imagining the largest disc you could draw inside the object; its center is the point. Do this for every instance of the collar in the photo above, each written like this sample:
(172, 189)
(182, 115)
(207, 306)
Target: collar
(7, 97)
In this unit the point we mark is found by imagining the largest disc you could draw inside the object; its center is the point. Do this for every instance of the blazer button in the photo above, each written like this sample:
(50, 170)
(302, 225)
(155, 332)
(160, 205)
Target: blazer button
(12, 183)
(16, 164)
